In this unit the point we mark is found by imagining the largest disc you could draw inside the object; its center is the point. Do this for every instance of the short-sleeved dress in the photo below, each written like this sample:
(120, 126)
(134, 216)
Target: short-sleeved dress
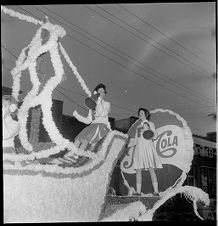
(145, 155)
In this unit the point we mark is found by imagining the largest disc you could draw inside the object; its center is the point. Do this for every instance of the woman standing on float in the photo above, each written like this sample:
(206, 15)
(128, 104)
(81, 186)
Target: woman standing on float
(98, 118)
(98, 128)
(145, 156)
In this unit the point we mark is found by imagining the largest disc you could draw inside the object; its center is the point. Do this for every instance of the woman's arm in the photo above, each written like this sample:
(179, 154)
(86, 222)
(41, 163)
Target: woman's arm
(86, 120)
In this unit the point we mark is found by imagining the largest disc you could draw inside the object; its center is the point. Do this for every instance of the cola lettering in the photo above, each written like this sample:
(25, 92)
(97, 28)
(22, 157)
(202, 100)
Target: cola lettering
(167, 142)
(165, 146)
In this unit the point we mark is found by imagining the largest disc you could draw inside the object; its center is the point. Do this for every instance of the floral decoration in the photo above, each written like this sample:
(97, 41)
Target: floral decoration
(66, 194)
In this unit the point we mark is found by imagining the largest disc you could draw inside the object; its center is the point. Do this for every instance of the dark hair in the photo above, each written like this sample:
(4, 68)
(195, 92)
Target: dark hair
(146, 112)
(100, 86)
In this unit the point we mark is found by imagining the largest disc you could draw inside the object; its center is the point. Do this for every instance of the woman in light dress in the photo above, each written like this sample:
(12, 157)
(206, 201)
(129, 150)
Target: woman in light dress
(145, 155)
(98, 127)
(98, 120)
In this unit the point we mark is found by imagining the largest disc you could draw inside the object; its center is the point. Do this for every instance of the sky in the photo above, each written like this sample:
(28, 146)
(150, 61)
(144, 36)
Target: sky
(151, 55)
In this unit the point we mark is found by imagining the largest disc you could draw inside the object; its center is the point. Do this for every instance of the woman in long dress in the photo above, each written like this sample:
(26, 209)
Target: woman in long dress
(145, 155)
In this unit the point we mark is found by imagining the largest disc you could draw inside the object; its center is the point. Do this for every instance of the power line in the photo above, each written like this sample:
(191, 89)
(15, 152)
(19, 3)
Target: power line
(6, 68)
(111, 103)
(85, 96)
(128, 68)
(138, 74)
(150, 25)
(72, 100)
(189, 64)
(8, 51)
(162, 76)
(199, 129)
(135, 72)
(86, 109)
(74, 92)
(28, 12)
(77, 93)
(65, 88)
(56, 88)
(153, 40)
(62, 94)
(175, 83)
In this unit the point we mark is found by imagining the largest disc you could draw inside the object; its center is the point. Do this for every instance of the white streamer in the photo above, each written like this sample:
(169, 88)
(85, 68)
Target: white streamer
(20, 16)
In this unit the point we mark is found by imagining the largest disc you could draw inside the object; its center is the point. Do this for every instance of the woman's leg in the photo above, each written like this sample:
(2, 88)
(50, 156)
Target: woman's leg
(154, 179)
(138, 180)
(77, 143)
(84, 145)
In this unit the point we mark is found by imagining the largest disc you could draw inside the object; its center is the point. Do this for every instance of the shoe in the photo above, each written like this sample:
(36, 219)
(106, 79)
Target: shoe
(69, 154)
(65, 160)
(137, 194)
(156, 194)
(55, 161)
(70, 158)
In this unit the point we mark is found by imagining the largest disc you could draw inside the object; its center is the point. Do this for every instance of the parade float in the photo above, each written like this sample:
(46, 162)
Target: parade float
(37, 191)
